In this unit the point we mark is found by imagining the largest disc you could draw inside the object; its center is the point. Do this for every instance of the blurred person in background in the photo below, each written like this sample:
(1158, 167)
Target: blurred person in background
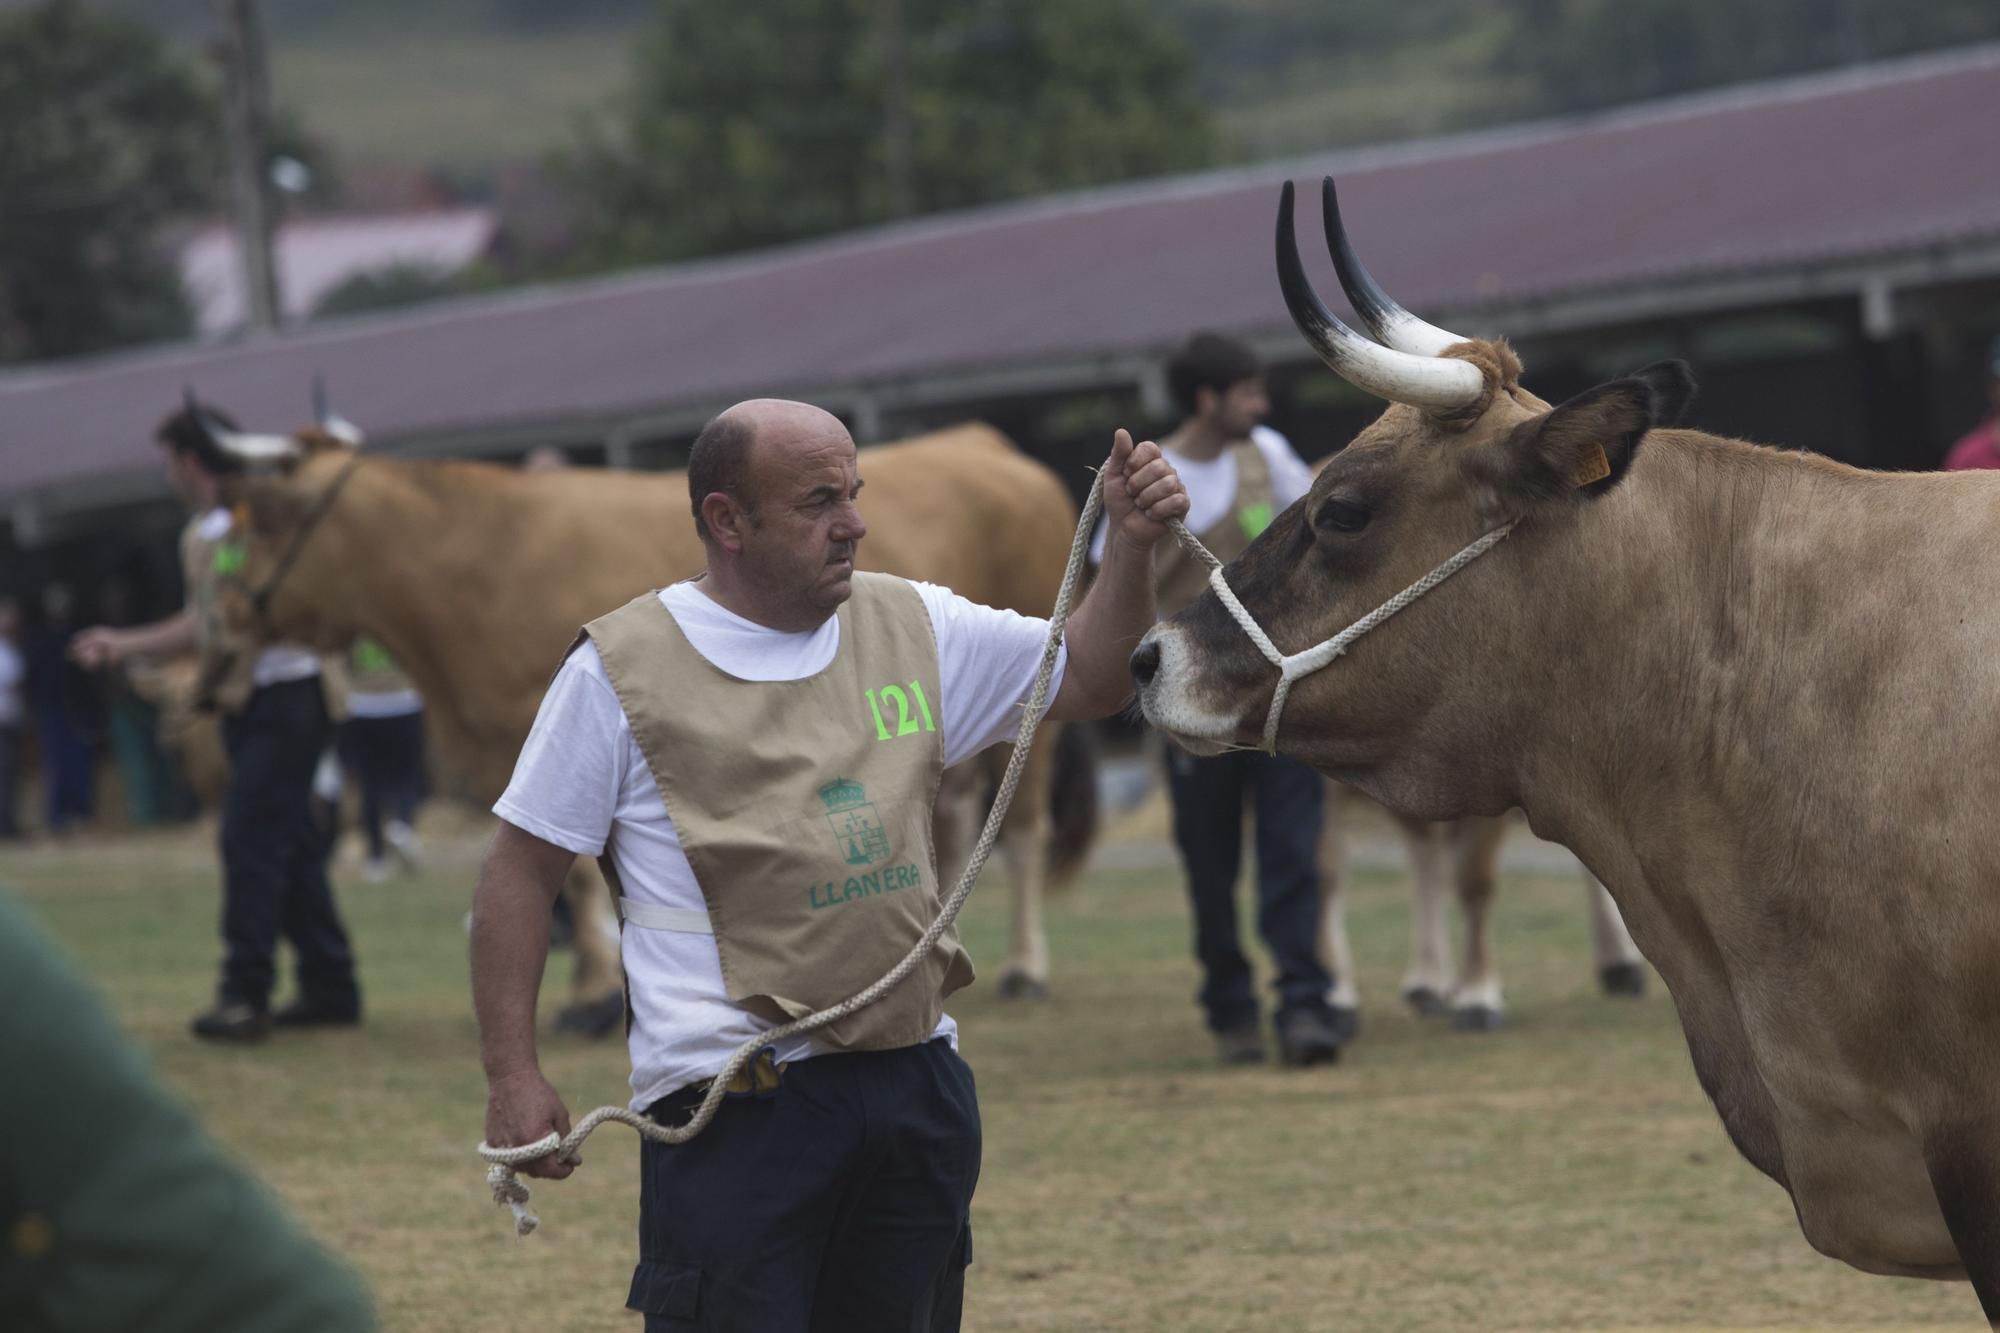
(116, 1211)
(65, 714)
(544, 458)
(13, 675)
(1239, 476)
(382, 745)
(275, 725)
(1980, 446)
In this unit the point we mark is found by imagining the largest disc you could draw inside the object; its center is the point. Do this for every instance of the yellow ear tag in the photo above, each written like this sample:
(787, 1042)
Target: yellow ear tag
(1592, 467)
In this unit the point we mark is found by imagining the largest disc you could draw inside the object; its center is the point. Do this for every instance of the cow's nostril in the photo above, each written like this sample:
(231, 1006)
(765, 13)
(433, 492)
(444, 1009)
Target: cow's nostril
(1146, 662)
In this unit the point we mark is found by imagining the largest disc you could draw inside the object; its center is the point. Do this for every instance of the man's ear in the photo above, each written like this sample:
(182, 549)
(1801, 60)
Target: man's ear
(726, 520)
(1580, 450)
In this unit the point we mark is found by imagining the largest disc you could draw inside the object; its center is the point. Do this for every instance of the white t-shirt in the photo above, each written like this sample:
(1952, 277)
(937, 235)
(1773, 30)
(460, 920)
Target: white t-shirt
(277, 663)
(582, 784)
(1211, 483)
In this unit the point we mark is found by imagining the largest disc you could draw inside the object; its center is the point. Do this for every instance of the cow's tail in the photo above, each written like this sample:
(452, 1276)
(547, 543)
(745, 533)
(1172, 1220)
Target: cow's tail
(1073, 811)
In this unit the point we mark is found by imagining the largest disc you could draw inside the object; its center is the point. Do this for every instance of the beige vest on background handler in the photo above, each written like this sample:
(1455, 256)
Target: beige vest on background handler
(804, 808)
(1178, 578)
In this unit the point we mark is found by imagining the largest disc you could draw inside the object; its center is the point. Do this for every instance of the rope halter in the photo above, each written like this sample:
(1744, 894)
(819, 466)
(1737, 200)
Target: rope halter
(1304, 663)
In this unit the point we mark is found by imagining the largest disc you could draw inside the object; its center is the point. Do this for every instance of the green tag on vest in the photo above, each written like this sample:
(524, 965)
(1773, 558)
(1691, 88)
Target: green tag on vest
(1255, 518)
(369, 655)
(229, 558)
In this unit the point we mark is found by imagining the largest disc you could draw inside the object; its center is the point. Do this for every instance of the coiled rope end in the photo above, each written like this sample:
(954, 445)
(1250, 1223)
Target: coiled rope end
(508, 1189)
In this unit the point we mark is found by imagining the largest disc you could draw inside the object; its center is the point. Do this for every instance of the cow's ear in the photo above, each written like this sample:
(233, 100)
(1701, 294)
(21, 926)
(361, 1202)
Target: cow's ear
(1580, 450)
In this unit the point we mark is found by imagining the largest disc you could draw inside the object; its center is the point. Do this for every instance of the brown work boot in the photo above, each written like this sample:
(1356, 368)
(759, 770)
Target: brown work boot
(1307, 1037)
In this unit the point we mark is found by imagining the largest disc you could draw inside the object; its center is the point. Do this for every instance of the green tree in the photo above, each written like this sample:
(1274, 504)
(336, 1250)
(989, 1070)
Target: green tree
(753, 124)
(386, 288)
(104, 136)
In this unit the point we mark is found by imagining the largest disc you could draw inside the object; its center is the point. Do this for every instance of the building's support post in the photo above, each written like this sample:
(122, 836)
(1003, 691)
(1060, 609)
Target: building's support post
(1895, 404)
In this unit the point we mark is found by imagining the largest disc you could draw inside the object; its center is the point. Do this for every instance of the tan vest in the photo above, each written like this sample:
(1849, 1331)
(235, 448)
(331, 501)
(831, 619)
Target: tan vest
(1178, 578)
(226, 658)
(804, 807)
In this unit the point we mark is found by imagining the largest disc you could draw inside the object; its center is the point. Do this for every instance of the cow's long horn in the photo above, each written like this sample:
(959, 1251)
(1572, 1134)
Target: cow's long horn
(1421, 381)
(1391, 325)
(247, 448)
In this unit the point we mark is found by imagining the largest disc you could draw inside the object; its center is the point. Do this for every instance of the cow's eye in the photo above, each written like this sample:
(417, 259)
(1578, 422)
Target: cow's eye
(1341, 516)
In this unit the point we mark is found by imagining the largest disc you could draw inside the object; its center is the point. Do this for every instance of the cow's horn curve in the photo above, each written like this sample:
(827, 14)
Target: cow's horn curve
(1380, 313)
(238, 445)
(1421, 381)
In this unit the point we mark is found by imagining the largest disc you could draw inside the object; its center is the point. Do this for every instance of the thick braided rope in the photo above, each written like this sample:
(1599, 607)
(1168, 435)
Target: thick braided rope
(507, 1186)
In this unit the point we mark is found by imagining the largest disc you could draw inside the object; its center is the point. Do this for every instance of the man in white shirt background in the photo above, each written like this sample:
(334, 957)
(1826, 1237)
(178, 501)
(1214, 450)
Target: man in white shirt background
(832, 1191)
(275, 726)
(1239, 475)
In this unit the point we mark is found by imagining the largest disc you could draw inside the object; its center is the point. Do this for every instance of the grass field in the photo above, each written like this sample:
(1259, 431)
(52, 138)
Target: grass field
(1565, 1173)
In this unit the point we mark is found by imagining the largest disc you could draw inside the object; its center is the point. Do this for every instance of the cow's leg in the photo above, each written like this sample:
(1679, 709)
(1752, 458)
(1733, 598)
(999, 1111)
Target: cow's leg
(1965, 1175)
(1620, 970)
(1475, 843)
(1024, 842)
(1335, 954)
(597, 985)
(956, 819)
(1427, 984)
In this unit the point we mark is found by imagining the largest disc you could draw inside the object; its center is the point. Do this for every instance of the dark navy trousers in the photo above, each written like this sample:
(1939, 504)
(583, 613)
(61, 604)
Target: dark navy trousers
(274, 856)
(839, 1203)
(1209, 797)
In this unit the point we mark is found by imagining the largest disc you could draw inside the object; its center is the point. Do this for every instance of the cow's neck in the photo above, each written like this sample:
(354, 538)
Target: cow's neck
(426, 570)
(1681, 675)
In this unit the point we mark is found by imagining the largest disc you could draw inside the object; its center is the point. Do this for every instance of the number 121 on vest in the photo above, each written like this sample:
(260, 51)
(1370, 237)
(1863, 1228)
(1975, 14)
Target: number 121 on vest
(907, 723)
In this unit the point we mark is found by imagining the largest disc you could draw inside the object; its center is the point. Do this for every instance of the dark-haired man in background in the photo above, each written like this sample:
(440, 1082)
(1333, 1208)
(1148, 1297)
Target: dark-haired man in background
(1239, 475)
(275, 725)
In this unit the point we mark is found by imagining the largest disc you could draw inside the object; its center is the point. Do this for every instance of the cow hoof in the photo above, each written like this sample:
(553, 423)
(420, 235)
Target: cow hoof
(1476, 1018)
(592, 1018)
(1622, 979)
(1021, 986)
(1427, 1002)
(1346, 1024)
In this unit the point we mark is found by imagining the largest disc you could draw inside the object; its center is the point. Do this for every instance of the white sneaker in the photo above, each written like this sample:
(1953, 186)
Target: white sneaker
(402, 840)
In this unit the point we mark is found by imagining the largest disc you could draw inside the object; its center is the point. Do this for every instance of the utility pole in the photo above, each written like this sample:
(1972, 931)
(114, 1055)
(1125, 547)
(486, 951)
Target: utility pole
(249, 121)
(897, 154)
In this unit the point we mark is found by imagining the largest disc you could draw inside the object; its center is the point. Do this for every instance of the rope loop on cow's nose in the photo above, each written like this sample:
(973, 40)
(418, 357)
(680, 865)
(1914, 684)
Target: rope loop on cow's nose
(1292, 666)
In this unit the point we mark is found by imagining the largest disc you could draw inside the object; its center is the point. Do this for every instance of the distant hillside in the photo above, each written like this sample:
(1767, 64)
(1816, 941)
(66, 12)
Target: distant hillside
(468, 84)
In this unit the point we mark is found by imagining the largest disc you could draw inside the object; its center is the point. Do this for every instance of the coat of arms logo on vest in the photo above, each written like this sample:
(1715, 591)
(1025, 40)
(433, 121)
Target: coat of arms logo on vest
(857, 829)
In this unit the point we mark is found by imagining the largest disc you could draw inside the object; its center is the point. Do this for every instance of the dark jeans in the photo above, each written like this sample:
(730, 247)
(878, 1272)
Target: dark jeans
(273, 871)
(66, 769)
(1209, 797)
(10, 780)
(386, 755)
(837, 1204)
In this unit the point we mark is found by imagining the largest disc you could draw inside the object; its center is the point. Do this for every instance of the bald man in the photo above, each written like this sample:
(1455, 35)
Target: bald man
(753, 755)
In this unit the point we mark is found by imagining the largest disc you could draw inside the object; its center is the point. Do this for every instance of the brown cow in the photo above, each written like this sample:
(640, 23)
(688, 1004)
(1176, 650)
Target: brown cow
(475, 577)
(1755, 691)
